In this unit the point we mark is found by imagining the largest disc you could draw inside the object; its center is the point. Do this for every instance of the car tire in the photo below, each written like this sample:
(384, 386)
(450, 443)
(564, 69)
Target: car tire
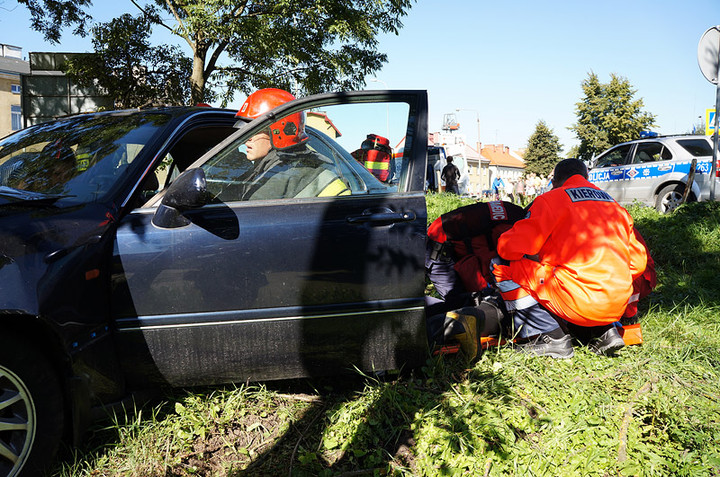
(669, 198)
(31, 409)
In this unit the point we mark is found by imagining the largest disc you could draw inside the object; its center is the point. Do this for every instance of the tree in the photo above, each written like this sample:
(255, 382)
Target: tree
(129, 69)
(698, 128)
(50, 16)
(543, 150)
(608, 115)
(573, 152)
(306, 46)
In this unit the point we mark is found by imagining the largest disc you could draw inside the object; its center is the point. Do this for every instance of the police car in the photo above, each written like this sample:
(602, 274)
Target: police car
(654, 170)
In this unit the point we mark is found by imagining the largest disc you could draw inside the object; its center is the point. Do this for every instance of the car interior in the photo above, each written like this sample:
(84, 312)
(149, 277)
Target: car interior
(651, 152)
(184, 152)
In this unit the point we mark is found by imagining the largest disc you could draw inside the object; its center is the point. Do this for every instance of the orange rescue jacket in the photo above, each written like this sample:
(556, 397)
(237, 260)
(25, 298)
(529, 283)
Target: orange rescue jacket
(587, 249)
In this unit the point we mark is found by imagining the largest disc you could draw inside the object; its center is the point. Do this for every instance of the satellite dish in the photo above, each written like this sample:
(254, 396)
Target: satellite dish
(709, 54)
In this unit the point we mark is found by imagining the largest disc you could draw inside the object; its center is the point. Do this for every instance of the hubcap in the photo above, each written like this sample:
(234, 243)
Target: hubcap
(672, 201)
(17, 423)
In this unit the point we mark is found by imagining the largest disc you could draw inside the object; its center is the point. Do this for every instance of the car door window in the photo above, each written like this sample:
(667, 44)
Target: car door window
(190, 146)
(614, 157)
(340, 154)
(697, 147)
(651, 152)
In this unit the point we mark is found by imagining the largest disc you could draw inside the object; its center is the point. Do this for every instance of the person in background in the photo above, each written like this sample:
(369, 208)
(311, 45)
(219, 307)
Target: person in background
(451, 175)
(498, 186)
(531, 186)
(519, 191)
(508, 192)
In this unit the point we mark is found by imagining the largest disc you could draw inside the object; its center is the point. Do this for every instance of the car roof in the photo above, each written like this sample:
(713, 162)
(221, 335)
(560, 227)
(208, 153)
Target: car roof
(175, 111)
(666, 138)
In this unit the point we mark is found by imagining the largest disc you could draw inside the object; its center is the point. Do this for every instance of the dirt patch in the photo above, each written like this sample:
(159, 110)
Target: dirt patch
(242, 443)
(404, 454)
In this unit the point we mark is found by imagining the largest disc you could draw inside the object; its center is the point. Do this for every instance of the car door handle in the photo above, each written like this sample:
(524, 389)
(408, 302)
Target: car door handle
(616, 172)
(381, 218)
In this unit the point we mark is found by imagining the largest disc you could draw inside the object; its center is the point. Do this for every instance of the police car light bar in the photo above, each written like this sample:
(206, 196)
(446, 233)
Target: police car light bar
(647, 134)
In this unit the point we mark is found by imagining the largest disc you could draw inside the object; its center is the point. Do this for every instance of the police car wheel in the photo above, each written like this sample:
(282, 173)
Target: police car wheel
(670, 198)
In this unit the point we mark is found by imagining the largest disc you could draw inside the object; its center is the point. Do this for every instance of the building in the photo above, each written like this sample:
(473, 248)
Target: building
(48, 93)
(503, 163)
(478, 172)
(474, 168)
(12, 68)
(320, 121)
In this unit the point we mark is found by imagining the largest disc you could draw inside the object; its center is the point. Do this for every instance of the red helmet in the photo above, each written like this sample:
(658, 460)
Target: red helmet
(284, 133)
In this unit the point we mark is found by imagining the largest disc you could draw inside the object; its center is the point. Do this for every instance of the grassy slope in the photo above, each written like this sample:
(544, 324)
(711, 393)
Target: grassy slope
(654, 410)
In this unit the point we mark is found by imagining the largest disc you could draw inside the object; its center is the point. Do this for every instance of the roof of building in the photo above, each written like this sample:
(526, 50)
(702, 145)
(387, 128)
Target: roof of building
(324, 117)
(13, 65)
(500, 155)
(472, 154)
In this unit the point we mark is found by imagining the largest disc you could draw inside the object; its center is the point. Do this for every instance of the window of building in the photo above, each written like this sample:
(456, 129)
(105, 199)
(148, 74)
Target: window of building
(16, 117)
(15, 88)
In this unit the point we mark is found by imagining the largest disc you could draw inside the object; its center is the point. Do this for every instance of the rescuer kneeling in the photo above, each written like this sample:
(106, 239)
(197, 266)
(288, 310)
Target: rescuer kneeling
(570, 263)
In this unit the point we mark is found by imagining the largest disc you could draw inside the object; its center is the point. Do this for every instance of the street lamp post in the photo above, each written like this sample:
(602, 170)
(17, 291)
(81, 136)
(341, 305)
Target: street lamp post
(387, 108)
(477, 116)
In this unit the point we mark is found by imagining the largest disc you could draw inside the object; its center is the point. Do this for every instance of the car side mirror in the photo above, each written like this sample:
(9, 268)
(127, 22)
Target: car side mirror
(188, 191)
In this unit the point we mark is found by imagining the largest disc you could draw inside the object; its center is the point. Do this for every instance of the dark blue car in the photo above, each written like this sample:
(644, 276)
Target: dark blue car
(130, 259)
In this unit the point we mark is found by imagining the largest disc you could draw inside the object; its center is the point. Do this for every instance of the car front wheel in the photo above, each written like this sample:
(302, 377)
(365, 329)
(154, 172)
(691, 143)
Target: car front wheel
(669, 198)
(31, 409)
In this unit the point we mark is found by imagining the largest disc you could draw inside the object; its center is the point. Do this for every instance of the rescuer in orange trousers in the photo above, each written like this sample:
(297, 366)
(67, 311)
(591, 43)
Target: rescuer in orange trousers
(573, 257)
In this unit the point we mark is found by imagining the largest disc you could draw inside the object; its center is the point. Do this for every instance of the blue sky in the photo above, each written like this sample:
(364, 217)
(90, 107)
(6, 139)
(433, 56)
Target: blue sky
(514, 63)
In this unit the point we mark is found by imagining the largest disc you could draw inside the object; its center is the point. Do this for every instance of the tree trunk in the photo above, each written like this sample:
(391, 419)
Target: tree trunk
(197, 80)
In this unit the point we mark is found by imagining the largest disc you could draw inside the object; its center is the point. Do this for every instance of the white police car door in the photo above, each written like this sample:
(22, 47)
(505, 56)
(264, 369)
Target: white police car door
(610, 169)
(309, 264)
(651, 160)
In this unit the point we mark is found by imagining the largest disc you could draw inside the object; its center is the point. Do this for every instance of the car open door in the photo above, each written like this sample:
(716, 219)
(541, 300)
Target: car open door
(313, 266)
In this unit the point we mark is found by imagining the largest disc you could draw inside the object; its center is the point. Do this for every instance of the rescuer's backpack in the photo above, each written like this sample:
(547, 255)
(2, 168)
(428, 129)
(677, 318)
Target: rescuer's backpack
(469, 236)
(375, 154)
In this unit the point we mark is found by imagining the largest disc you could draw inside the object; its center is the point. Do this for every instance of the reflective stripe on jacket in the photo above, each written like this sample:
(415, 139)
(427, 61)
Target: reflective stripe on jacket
(587, 249)
(378, 163)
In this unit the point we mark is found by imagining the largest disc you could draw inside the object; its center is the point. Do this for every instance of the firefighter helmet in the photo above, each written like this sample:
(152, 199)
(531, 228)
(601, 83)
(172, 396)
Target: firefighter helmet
(288, 131)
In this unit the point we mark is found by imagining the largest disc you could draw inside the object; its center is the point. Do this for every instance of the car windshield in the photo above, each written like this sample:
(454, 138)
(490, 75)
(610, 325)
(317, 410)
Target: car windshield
(77, 160)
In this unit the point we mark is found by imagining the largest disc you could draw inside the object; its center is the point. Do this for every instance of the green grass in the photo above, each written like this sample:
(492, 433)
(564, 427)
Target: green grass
(438, 204)
(653, 410)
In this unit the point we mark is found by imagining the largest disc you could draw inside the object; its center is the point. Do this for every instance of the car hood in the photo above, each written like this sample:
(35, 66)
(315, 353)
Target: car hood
(44, 228)
(36, 244)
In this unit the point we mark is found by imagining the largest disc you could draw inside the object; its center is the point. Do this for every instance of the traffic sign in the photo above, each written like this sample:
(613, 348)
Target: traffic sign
(709, 53)
(709, 122)
(709, 61)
